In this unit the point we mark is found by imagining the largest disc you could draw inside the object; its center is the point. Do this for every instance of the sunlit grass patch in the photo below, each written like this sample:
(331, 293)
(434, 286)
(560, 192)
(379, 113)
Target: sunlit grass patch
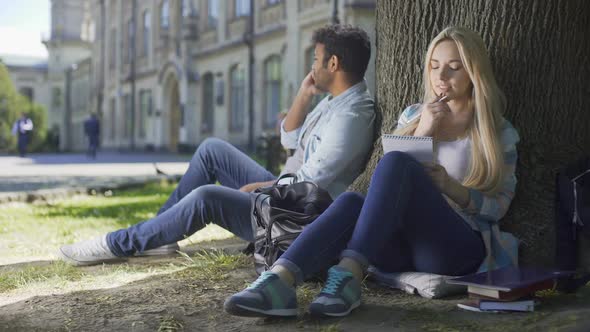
(212, 265)
(57, 272)
(34, 231)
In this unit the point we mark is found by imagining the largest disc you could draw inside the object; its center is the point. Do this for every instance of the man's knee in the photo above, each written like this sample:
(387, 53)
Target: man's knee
(205, 193)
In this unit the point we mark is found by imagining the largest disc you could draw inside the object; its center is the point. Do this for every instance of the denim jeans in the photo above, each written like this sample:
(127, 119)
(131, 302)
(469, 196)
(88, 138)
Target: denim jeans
(403, 224)
(197, 201)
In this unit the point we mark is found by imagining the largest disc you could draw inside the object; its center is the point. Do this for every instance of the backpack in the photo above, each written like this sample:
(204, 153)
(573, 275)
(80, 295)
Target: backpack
(281, 212)
(572, 219)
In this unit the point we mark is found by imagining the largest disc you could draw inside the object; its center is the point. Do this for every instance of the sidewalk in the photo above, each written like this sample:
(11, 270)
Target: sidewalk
(45, 175)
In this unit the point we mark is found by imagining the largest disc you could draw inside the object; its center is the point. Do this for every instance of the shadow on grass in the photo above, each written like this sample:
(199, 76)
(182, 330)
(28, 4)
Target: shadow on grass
(124, 207)
(190, 300)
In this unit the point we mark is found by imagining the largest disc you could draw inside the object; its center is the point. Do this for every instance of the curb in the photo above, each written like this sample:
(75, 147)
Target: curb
(56, 193)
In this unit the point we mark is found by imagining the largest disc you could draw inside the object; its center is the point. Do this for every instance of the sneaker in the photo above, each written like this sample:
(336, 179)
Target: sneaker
(340, 295)
(167, 249)
(267, 296)
(89, 252)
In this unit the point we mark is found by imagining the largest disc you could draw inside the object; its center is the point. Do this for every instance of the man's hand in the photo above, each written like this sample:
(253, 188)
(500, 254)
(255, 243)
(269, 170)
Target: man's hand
(308, 88)
(296, 115)
(250, 187)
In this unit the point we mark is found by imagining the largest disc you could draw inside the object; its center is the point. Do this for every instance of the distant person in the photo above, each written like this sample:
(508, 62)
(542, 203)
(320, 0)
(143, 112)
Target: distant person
(22, 129)
(325, 152)
(92, 130)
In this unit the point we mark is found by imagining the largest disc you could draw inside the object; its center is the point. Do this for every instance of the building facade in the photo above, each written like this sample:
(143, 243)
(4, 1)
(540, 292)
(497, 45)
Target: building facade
(167, 74)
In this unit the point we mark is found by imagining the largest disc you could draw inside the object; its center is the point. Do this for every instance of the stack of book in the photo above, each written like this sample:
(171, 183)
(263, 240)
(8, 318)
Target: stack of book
(507, 289)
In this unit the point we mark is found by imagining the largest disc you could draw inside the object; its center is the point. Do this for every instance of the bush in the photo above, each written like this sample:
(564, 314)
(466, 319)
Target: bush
(12, 104)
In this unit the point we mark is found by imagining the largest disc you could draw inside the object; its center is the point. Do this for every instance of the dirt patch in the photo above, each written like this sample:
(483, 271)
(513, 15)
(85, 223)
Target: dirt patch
(191, 300)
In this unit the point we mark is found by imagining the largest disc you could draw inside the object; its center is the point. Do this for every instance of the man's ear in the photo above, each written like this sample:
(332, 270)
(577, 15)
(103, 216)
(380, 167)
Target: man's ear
(333, 64)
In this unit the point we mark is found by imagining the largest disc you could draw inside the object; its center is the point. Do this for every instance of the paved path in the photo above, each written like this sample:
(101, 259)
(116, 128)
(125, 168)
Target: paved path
(50, 171)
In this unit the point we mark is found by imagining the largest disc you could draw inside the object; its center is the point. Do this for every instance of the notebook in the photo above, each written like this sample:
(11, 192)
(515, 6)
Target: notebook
(421, 148)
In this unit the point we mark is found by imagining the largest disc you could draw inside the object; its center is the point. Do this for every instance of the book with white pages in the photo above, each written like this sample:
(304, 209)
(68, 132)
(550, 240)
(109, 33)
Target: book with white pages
(421, 148)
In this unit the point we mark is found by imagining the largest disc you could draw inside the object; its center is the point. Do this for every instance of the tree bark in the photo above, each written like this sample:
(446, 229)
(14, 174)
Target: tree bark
(540, 53)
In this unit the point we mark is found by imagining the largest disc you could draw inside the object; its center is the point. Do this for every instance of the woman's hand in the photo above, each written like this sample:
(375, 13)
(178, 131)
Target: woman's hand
(439, 176)
(447, 185)
(430, 117)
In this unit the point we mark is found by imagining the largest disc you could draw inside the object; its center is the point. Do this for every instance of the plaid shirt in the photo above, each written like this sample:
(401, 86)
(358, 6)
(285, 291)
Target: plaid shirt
(484, 212)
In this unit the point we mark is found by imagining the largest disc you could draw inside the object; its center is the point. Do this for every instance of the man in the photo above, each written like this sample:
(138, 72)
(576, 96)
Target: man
(92, 130)
(331, 146)
(22, 129)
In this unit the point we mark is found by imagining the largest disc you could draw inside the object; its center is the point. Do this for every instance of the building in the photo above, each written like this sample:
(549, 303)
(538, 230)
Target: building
(167, 74)
(29, 76)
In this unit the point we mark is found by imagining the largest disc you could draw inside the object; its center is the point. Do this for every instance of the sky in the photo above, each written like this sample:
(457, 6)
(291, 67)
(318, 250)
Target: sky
(22, 23)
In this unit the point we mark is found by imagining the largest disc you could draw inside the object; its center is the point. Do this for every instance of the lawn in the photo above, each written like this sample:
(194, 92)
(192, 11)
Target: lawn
(186, 291)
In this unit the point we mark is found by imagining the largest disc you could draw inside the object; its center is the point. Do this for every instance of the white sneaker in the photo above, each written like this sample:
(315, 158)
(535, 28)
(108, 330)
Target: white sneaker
(167, 249)
(89, 252)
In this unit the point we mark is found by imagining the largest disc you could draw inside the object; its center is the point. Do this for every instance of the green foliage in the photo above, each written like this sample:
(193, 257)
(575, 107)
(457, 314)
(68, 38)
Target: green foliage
(12, 104)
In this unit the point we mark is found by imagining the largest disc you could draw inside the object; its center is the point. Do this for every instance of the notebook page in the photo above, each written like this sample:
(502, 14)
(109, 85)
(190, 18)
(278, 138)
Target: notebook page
(421, 148)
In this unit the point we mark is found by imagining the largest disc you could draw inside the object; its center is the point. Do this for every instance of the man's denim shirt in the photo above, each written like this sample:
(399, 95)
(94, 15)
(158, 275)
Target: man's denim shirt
(338, 145)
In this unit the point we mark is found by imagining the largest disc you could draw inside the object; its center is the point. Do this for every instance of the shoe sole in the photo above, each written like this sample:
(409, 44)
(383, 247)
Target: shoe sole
(244, 311)
(74, 262)
(150, 252)
(336, 314)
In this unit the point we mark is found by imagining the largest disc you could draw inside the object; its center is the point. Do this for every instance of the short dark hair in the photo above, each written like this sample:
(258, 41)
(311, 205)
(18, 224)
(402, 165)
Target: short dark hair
(351, 45)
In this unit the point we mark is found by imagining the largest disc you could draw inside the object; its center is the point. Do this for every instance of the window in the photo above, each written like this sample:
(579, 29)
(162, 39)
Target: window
(208, 106)
(146, 32)
(145, 97)
(237, 98)
(272, 90)
(272, 2)
(113, 55)
(113, 118)
(127, 116)
(56, 97)
(242, 8)
(164, 15)
(213, 13)
(186, 9)
(27, 92)
(130, 40)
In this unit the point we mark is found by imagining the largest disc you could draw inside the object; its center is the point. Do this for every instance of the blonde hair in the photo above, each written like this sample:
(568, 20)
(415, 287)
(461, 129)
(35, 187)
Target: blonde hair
(486, 167)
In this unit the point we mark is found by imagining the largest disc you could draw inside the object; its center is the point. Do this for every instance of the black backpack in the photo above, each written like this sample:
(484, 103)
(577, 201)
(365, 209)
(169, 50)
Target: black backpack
(572, 220)
(281, 212)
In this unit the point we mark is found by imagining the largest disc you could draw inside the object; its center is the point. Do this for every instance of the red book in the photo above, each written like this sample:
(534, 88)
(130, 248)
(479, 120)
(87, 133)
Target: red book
(510, 282)
(510, 295)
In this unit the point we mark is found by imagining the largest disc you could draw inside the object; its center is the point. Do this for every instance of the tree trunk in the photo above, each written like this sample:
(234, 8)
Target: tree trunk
(540, 52)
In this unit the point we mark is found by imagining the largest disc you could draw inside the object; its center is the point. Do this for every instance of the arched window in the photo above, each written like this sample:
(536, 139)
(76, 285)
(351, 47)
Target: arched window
(272, 90)
(237, 98)
(164, 15)
(208, 105)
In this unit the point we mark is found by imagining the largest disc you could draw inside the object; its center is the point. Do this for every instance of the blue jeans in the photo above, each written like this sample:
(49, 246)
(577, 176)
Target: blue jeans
(197, 201)
(403, 224)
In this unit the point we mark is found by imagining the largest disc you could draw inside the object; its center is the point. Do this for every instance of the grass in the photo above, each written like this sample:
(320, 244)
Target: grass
(34, 231)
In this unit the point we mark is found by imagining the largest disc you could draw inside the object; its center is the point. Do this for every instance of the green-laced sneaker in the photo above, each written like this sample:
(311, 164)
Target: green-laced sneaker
(340, 295)
(267, 296)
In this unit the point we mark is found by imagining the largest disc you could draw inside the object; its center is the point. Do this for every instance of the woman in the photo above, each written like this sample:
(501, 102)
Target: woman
(437, 218)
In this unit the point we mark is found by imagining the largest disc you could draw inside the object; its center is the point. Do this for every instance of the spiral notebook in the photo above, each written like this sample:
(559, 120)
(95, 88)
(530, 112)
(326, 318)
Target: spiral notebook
(420, 148)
